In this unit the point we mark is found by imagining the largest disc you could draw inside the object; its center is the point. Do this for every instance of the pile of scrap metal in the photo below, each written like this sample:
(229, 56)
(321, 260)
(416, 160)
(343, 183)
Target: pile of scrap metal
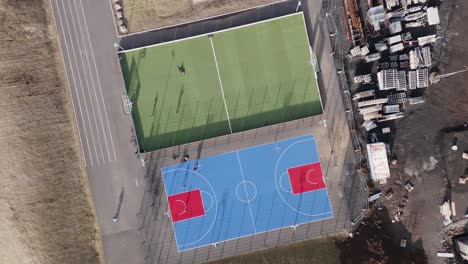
(402, 61)
(393, 17)
(365, 78)
(379, 109)
(352, 21)
(396, 13)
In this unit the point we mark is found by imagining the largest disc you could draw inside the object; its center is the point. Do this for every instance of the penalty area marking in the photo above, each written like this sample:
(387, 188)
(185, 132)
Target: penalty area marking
(215, 206)
(277, 187)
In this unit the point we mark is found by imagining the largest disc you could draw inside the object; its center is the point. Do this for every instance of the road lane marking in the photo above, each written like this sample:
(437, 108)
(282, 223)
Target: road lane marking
(74, 83)
(99, 81)
(75, 29)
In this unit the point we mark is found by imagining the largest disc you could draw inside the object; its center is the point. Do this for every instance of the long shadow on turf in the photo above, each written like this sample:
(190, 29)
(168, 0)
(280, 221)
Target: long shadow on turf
(288, 113)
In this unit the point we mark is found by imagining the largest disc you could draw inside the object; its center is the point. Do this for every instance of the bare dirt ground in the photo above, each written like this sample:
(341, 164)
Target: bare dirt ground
(46, 211)
(423, 140)
(323, 251)
(148, 14)
(372, 243)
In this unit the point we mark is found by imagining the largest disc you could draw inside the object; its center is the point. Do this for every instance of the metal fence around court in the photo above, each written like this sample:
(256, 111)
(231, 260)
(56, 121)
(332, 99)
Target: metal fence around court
(340, 47)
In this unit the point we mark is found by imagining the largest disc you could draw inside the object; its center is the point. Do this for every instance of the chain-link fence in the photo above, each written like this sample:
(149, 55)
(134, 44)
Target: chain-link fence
(340, 46)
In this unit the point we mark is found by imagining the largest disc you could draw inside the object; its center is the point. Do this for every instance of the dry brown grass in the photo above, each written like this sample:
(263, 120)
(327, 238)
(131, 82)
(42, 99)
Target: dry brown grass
(46, 211)
(322, 250)
(149, 14)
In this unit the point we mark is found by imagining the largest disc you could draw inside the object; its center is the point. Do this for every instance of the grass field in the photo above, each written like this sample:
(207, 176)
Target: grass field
(235, 80)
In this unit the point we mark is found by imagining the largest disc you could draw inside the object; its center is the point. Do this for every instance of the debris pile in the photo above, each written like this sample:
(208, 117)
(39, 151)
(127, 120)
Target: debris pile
(352, 21)
(371, 244)
(119, 14)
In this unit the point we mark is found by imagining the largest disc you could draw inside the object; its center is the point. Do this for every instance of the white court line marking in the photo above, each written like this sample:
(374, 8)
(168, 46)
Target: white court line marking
(245, 188)
(308, 136)
(220, 84)
(68, 81)
(330, 213)
(215, 200)
(136, 182)
(307, 177)
(247, 200)
(315, 73)
(74, 84)
(86, 76)
(205, 18)
(204, 34)
(94, 86)
(99, 81)
(281, 185)
(211, 198)
(81, 83)
(281, 196)
(185, 206)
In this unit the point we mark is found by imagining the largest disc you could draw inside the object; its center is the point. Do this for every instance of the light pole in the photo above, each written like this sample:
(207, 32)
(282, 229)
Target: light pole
(118, 46)
(298, 5)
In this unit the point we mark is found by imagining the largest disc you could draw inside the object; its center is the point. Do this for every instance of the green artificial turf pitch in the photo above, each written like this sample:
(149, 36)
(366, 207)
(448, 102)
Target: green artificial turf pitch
(263, 69)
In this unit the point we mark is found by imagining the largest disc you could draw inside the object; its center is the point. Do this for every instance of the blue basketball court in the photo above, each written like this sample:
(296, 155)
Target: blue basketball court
(246, 192)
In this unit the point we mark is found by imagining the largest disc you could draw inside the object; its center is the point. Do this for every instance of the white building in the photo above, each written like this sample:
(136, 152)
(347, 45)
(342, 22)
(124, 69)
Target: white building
(378, 162)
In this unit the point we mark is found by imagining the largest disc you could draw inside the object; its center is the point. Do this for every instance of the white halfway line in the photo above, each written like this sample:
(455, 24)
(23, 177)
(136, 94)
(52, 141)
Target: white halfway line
(220, 83)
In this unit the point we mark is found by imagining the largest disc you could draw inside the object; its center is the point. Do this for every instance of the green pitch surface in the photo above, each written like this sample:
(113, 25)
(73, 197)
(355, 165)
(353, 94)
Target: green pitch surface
(235, 80)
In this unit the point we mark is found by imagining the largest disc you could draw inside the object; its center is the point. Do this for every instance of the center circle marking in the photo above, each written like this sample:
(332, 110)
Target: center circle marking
(244, 186)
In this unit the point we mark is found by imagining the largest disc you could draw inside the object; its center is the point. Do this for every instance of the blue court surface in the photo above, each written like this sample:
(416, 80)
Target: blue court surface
(246, 192)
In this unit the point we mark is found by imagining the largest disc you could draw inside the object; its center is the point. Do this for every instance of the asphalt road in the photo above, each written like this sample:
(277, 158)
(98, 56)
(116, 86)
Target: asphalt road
(87, 35)
(142, 235)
